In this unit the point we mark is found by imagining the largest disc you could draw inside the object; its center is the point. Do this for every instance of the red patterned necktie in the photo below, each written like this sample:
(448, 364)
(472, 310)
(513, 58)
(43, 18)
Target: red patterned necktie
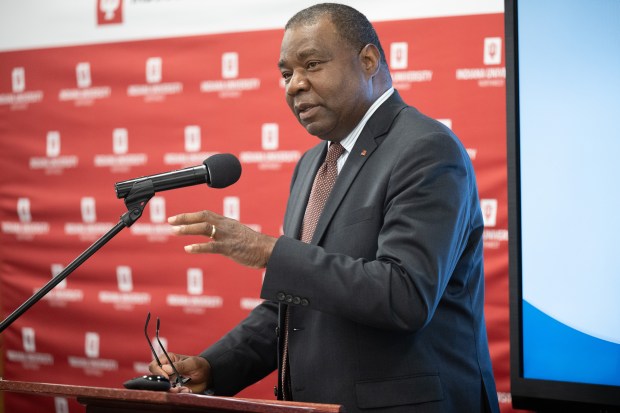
(321, 188)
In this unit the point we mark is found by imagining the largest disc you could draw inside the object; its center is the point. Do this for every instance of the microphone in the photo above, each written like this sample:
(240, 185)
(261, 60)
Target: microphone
(217, 171)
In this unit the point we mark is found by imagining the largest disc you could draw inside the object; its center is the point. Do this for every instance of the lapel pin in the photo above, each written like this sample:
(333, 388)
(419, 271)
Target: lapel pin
(363, 152)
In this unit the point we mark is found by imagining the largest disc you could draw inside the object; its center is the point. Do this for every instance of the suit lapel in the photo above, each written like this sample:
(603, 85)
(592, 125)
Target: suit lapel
(352, 166)
(301, 191)
(366, 143)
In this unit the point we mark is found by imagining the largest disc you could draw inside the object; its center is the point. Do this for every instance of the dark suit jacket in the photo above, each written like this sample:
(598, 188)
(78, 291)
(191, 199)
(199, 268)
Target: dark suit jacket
(386, 302)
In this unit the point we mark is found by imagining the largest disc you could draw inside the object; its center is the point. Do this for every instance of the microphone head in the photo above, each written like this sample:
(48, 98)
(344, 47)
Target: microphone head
(224, 169)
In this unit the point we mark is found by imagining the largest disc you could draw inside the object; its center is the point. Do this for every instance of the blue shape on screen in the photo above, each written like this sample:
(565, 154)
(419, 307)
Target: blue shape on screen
(555, 351)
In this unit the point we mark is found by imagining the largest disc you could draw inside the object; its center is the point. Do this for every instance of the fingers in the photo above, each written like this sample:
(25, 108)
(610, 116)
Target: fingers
(228, 237)
(194, 218)
(205, 223)
(189, 365)
(155, 369)
(198, 370)
(201, 228)
(204, 248)
(166, 370)
(180, 389)
(194, 367)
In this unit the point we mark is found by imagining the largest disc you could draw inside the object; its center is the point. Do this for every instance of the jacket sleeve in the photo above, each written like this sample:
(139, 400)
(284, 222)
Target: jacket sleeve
(245, 354)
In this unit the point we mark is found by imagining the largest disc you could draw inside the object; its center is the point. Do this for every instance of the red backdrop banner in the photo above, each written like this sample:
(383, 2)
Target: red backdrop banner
(75, 120)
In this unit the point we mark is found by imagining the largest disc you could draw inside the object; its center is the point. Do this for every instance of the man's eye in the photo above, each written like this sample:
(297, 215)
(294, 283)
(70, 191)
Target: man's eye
(286, 76)
(312, 65)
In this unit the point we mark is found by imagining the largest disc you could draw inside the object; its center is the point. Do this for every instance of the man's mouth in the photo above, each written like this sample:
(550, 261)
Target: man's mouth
(305, 111)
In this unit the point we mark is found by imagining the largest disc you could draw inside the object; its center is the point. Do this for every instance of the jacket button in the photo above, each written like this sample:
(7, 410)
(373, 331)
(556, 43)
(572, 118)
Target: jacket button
(280, 296)
(289, 298)
(296, 300)
(304, 301)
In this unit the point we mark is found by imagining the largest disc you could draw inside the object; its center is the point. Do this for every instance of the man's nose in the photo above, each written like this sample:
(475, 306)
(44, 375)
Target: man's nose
(298, 82)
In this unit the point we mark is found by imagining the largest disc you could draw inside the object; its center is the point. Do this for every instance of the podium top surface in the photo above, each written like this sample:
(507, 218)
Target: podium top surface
(186, 401)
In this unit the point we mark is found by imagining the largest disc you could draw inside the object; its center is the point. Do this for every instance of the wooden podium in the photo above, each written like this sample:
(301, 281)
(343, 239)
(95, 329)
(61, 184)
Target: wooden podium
(107, 400)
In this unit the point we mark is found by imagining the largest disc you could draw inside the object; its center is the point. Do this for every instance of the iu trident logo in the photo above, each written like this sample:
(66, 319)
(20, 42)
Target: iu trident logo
(492, 50)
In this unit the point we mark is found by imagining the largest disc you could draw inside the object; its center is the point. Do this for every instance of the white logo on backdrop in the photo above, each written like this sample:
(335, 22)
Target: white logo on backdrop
(399, 62)
(158, 229)
(29, 358)
(91, 345)
(18, 79)
(28, 340)
(124, 299)
(82, 73)
(120, 141)
(53, 163)
(85, 94)
(230, 65)
(154, 90)
(109, 8)
(399, 55)
(489, 212)
(56, 269)
(194, 281)
(153, 69)
(123, 278)
(92, 364)
(230, 86)
(192, 138)
(25, 229)
(52, 144)
(194, 301)
(270, 157)
(23, 210)
(157, 207)
(19, 98)
(88, 209)
(120, 160)
(270, 136)
(61, 405)
(89, 228)
(492, 236)
(109, 12)
(61, 295)
(232, 207)
(492, 51)
(192, 143)
(487, 76)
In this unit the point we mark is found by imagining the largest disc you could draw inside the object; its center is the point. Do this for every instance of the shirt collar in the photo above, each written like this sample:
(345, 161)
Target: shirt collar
(351, 138)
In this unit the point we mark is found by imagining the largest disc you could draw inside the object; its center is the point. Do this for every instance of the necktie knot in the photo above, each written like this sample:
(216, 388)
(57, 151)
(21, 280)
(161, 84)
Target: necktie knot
(333, 152)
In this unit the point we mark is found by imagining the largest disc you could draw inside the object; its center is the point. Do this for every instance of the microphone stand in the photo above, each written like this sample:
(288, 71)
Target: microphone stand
(135, 201)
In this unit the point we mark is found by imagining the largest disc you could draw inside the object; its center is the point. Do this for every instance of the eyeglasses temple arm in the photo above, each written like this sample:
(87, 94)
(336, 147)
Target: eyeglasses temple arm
(146, 334)
(180, 379)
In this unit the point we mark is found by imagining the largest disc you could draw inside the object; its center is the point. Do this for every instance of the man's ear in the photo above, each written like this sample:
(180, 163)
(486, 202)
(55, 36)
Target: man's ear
(371, 59)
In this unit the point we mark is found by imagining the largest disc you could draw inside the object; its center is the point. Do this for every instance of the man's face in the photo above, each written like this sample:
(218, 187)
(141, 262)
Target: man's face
(326, 86)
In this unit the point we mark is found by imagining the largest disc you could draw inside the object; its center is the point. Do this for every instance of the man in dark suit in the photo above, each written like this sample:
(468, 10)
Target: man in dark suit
(377, 303)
